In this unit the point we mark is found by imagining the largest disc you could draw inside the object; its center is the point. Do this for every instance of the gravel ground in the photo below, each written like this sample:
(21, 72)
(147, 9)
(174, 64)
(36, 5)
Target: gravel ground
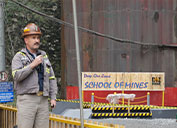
(142, 123)
(128, 123)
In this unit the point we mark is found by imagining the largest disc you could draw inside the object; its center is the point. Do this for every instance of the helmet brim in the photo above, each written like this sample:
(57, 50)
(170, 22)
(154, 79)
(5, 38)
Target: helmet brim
(31, 33)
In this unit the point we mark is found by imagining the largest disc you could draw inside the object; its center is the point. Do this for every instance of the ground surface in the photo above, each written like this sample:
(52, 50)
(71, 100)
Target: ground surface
(128, 123)
(167, 119)
(142, 123)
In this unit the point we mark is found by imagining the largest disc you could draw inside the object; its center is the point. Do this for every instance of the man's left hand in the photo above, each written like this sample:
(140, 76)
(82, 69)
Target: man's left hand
(53, 103)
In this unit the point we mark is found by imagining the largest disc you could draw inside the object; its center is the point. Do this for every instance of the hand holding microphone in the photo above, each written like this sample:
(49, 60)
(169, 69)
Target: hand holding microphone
(38, 60)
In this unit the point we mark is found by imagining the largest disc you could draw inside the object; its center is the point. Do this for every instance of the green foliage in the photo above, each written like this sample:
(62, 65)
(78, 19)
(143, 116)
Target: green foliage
(16, 18)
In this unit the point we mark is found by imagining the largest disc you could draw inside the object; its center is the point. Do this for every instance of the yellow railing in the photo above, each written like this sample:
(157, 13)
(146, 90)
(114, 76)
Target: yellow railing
(7, 116)
(57, 121)
(8, 120)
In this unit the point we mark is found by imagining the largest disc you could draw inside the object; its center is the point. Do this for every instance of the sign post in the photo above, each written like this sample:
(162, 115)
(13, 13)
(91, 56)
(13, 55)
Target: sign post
(78, 62)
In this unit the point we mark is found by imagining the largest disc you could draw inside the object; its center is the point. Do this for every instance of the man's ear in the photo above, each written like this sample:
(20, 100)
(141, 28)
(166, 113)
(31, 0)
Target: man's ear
(25, 40)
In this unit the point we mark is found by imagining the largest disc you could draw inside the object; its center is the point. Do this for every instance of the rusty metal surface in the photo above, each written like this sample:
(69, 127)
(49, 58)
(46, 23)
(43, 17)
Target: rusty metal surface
(146, 21)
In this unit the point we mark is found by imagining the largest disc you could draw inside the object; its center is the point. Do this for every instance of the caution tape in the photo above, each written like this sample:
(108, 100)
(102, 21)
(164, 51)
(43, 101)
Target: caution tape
(121, 115)
(107, 109)
(108, 104)
(86, 106)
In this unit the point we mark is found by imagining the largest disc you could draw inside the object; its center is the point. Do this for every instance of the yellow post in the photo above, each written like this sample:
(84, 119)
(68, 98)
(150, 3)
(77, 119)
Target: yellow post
(163, 98)
(1, 118)
(123, 97)
(128, 105)
(83, 96)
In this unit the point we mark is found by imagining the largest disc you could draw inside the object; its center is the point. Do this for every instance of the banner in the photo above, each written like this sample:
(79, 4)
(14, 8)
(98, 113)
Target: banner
(139, 81)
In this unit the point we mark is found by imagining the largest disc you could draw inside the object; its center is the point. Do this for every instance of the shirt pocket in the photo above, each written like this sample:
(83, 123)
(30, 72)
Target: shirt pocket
(25, 61)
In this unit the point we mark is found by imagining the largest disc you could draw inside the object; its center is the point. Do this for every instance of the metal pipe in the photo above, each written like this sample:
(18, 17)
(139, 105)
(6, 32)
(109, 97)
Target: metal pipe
(78, 61)
(2, 45)
(148, 98)
(92, 99)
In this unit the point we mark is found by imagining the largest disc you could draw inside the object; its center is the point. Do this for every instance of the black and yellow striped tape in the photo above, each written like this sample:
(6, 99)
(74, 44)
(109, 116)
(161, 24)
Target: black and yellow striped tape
(108, 109)
(121, 115)
(108, 104)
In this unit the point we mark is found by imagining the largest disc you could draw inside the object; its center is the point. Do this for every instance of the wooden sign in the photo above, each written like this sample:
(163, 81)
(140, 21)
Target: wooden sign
(141, 81)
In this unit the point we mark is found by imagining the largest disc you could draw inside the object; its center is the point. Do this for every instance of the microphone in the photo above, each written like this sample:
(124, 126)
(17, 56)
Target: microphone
(38, 53)
(40, 65)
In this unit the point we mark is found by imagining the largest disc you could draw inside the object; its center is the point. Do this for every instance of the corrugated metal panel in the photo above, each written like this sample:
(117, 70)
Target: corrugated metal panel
(146, 21)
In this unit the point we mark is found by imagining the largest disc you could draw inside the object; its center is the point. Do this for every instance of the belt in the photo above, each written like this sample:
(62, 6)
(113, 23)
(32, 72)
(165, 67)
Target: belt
(40, 93)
